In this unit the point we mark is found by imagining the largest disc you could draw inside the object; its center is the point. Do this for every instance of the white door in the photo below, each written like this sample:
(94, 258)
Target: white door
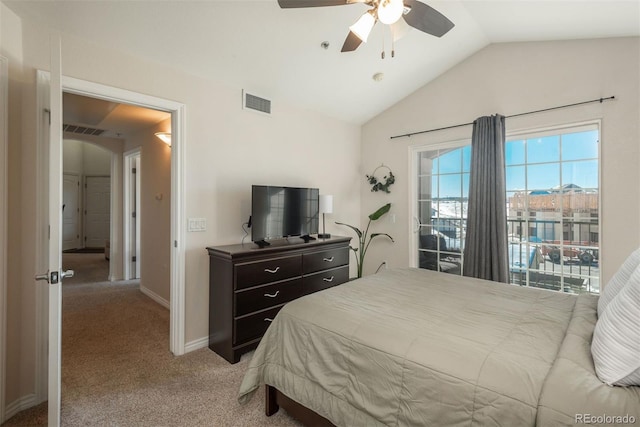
(70, 211)
(51, 140)
(97, 215)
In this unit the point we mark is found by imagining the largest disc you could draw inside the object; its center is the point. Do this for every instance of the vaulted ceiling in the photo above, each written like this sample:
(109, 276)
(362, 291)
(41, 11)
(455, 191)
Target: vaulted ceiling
(277, 53)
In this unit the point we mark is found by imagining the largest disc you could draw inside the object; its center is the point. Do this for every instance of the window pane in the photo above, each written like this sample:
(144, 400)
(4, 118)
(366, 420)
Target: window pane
(427, 164)
(451, 209)
(516, 204)
(580, 145)
(514, 152)
(426, 211)
(426, 187)
(515, 177)
(451, 162)
(450, 186)
(543, 149)
(543, 177)
(582, 174)
(466, 158)
(465, 188)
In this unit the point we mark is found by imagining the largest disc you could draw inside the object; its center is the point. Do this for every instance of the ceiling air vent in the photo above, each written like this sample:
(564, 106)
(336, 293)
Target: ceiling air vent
(255, 103)
(82, 130)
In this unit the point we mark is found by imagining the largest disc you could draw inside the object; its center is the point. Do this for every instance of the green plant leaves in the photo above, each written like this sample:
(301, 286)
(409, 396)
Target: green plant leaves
(377, 214)
(357, 230)
(381, 234)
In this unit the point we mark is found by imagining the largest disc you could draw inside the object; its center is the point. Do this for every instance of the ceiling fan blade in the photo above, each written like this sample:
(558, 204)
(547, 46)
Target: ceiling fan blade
(287, 4)
(351, 43)
(427, 19)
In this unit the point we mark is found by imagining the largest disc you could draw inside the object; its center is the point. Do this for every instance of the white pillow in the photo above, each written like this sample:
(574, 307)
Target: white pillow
(616, 339)
(618, 280)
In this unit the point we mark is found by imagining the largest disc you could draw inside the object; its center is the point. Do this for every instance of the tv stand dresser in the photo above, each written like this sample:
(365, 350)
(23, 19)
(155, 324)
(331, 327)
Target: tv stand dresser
(248, 285)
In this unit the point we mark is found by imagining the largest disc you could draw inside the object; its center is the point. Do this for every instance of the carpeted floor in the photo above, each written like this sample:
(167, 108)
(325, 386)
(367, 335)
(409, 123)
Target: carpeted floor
(117, 369)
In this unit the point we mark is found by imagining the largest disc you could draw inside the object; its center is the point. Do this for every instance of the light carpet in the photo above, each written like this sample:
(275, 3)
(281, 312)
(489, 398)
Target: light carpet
(117, 369)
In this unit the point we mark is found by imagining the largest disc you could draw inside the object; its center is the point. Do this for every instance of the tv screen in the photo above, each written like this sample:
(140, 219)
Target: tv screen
(278, 212)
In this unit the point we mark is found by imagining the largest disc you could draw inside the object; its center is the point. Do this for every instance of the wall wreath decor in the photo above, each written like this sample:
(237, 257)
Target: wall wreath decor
(381, 184)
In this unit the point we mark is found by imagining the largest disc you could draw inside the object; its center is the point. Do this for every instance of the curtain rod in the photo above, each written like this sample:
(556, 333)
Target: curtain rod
(600, 100)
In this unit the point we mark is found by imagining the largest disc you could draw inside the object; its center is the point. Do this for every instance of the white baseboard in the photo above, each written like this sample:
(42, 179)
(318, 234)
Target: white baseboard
(157, 298)
(25, 402)
(196, 344)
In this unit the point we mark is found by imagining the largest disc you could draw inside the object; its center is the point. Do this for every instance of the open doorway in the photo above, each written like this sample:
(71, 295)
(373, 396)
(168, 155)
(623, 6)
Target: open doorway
(103, 186)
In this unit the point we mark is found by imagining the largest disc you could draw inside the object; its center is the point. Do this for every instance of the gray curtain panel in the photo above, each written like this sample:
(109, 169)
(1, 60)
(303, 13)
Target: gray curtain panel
(486, 252)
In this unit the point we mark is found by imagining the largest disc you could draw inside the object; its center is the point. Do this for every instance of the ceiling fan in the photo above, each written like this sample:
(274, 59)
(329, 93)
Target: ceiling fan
(415, 13)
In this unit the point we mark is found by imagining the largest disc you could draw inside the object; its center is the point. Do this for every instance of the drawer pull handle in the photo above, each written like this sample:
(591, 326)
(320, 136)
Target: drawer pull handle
(272, 271)
(266, 319)
(328, 259)
(272, 295)
(328, 279)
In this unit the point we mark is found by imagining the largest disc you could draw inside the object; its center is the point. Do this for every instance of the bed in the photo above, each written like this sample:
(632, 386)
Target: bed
(416, 347)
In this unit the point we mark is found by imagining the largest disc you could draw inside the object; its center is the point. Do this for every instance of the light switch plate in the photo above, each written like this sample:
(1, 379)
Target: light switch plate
(197, 224)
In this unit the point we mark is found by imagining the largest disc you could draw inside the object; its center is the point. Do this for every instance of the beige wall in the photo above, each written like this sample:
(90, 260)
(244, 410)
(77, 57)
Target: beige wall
(227, 150)
(18, 380)
(84, 158)
(509, 79)
(155, 206)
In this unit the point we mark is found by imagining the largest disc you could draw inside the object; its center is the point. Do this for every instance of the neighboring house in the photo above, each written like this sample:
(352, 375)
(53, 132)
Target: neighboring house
(228, 150)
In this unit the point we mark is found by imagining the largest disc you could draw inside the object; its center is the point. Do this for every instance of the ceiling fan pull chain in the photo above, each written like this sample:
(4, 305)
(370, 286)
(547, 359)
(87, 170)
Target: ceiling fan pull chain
(393, 42)
(382, 55)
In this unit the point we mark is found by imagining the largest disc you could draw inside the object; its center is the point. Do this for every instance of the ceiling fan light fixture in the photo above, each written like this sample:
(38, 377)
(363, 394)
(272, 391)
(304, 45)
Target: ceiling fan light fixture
(363, 26)
(389, 11)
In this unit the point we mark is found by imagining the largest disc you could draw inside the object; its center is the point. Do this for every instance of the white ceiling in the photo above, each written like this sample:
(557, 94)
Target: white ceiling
(276, 53)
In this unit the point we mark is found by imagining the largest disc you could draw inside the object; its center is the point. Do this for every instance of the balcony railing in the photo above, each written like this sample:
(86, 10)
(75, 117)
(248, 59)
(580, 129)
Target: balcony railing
(538, 257)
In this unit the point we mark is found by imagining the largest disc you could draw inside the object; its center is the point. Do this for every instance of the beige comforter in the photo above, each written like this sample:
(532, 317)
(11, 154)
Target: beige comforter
(413, 347)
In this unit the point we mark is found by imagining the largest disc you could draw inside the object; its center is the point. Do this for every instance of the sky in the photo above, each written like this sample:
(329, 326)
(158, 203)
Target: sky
(570, 158)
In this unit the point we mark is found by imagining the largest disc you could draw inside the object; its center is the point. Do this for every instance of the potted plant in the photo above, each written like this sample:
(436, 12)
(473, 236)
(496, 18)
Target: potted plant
(363, 243)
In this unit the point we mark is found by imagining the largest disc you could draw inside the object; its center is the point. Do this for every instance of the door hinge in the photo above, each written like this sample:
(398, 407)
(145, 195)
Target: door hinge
(133, 214)
(46, 110)
(133, 170)
(175, 243)
(133, 259)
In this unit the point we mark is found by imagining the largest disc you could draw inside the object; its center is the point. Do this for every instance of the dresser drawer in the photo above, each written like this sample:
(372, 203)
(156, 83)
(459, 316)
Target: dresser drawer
(272, 270)
(325, 279)
(253, 326)
(317, 261)
(255, 299)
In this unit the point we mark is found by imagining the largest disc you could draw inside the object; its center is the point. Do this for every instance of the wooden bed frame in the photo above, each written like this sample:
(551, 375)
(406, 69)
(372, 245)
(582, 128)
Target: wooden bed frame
(275, 399)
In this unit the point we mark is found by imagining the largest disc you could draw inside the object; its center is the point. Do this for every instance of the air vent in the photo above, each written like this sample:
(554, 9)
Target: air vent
(82, 130)
(255, 103)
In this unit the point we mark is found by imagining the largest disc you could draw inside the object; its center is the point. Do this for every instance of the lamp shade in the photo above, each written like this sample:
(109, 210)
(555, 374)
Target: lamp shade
(326, 203)
(363, 26)
(389, 11)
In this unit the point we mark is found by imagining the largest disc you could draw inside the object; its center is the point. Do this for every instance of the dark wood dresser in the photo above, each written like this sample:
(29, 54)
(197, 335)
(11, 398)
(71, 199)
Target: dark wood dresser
(249, 285)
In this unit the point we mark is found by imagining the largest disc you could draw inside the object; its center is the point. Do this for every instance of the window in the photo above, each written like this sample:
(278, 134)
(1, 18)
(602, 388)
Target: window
(553, 212)
(553, 187)
(443, 190)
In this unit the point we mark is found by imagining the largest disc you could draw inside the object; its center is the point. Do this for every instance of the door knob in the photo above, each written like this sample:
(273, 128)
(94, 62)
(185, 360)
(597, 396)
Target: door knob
(44, 277)
(68, 273)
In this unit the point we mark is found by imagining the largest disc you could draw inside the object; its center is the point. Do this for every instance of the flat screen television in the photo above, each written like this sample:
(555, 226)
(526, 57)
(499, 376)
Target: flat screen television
(278, 212)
